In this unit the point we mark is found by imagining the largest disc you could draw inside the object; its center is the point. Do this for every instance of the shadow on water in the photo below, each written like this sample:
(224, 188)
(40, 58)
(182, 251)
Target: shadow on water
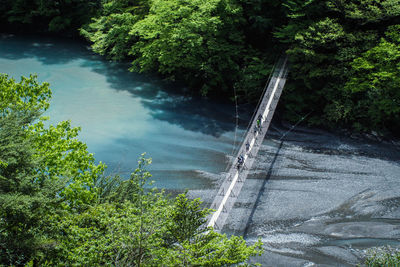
(47, 50)
(169, 102)
(165, 101)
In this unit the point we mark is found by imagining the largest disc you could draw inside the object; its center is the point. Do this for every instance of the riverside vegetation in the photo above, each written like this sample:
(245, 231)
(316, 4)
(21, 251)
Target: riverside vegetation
(56, 205)
(344, 54)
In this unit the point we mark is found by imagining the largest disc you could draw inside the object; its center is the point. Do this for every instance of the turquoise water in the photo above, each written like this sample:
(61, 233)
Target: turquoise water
(123, 114)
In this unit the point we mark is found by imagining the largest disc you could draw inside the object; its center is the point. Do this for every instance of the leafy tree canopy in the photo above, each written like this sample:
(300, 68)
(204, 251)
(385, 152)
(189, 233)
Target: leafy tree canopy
(53, 16)
(375, 82)
(57, 207)
(227, 47)
(42, 172)
(332, 45)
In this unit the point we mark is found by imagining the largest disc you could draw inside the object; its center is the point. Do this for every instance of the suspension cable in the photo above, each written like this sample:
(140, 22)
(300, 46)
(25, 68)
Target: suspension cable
(259, 102)
(236, 121)
(295, 125)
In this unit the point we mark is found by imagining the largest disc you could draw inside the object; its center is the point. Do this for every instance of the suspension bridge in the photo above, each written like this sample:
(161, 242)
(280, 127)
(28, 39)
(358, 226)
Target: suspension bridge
(248, 150)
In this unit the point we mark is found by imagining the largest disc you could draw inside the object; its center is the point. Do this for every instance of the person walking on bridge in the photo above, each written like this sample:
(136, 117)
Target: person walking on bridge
(255, 130)
(240, 161)
(259, 120)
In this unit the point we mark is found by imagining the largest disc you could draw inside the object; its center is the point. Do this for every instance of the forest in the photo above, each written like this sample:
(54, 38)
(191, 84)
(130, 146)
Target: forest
(57, 206)
(344, 55)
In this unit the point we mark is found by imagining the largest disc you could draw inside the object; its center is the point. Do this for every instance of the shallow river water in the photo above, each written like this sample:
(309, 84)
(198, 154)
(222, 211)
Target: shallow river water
(314, 199)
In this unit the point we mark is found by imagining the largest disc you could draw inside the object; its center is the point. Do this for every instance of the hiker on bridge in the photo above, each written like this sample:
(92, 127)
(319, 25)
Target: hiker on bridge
(259, 121)
(240, 161)
(247, 146)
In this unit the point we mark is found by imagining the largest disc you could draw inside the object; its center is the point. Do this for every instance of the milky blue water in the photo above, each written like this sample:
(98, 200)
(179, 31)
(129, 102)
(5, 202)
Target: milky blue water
(123, 114)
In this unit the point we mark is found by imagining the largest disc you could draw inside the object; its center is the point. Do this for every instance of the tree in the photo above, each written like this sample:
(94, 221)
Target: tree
(57, 208)
(26, 196)
(63, 156)
(227, 47)
(136, 225)
(42, 171)
(195, 41)
(325, 51)
(198, 41)
(374, 84)
(109, 32)
(53, 16)
(25, 96)
(192, 244)
(187, 219)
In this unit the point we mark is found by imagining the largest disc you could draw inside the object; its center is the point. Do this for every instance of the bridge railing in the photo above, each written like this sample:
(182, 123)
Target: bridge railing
(265, 94)
(251, 142)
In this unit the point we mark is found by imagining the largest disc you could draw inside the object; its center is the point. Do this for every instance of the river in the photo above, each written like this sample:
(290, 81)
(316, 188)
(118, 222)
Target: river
(123, 114)
(316, 198)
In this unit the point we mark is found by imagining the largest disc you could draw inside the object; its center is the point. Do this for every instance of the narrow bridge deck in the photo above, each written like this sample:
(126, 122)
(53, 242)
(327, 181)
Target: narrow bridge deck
(232, 185)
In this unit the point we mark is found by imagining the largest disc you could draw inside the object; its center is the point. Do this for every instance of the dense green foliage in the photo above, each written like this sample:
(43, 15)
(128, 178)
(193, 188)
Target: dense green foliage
(343, 54)
(382, 256)
(25, 195)
(345, 62)
(375, 83)
(57, 208)
(199, 42)
(53, 16)
(43, 171)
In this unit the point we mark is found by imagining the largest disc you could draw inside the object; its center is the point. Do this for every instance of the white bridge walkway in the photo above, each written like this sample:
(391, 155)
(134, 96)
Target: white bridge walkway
(230, 188)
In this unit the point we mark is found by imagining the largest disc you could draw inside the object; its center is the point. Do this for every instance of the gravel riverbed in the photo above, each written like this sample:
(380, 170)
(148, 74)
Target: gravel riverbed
(317, 198)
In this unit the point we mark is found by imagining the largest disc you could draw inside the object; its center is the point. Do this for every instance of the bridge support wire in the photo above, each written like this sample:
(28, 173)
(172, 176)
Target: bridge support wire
(255, 134)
